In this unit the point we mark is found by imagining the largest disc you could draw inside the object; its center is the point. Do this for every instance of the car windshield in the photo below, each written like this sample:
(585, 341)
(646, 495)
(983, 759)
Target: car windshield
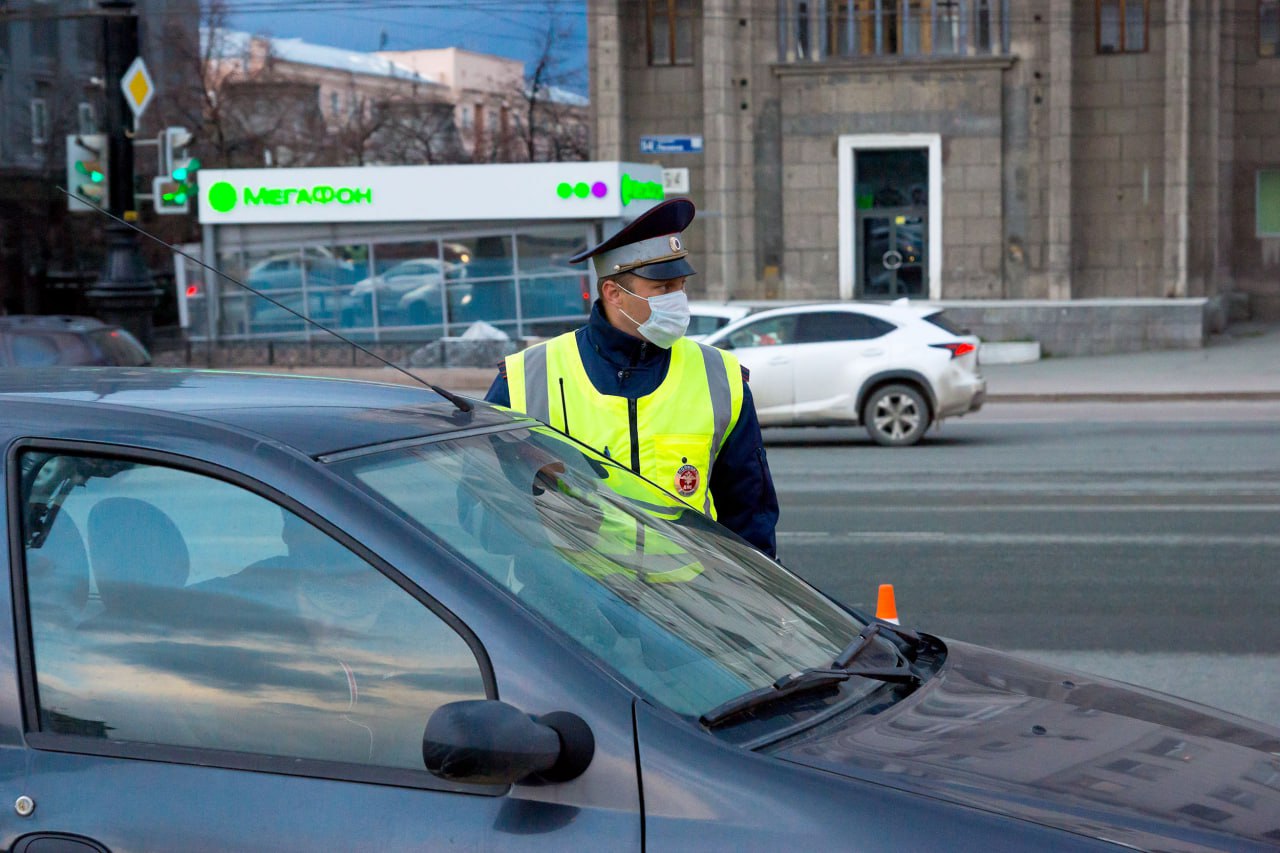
(685, 611)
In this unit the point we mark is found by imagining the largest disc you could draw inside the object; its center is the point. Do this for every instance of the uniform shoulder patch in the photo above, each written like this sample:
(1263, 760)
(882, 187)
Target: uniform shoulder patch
(746, 374)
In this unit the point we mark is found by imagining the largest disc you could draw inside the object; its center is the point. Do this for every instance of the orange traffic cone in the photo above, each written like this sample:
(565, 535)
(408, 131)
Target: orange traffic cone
(886, 606)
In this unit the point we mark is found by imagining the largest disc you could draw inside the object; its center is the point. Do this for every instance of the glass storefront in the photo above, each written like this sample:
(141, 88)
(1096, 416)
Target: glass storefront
(398, 288)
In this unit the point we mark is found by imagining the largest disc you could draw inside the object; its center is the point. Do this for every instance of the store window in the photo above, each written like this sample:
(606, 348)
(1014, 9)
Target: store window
(1122, 25)
(1268, 203)
(670, 31)
(1268, 28)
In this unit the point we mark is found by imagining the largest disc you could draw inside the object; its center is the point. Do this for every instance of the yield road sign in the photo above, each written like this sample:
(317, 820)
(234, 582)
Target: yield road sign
(137, 86)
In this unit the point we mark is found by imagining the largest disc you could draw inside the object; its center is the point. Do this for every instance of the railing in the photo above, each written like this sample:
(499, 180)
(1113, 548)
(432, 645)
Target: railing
(821, 30)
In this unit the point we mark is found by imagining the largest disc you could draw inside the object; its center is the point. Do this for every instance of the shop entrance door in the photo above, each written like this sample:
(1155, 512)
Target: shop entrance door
(891, 199)
(893, 254)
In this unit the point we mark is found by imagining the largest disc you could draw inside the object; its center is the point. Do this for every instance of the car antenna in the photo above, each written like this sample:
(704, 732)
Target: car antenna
(462, 403)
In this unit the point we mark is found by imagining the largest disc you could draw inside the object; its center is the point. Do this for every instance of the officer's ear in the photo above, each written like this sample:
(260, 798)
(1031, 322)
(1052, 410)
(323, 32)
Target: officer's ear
(611, 291)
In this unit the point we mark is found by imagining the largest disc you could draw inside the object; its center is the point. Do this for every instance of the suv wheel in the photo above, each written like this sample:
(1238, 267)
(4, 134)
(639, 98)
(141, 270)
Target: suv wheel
(895, 415)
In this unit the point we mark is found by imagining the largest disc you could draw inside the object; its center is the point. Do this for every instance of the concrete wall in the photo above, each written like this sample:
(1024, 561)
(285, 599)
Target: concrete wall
(1088, 326)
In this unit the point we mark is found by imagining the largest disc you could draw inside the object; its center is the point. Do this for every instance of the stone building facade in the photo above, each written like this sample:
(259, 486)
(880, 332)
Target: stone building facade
(959, 149)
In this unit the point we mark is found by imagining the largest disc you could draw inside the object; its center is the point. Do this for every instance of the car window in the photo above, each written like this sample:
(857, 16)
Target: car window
(705, 324)
(942, 321)
(31, 349)
(172, 608)
(119, 347)
(685, 611)
(770, 331)
(825, 326)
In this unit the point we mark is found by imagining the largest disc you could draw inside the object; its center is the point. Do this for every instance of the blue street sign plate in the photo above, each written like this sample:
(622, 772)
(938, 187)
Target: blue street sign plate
(670, 144)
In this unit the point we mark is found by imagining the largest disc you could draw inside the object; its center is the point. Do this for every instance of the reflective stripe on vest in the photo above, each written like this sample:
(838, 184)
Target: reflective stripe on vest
(680, 427)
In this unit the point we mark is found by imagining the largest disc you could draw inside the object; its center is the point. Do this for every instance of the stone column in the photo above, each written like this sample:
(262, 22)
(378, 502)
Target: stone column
(1177, 143)
(606, 70)
(720, 141)
(1058, 262)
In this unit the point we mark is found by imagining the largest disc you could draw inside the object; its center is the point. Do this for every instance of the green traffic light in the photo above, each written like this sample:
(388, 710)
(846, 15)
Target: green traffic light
(180, 198)
(96, 176)
(180, 174)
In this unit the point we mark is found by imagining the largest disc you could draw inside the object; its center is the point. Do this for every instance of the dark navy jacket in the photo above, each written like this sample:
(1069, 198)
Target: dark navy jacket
(623, 366)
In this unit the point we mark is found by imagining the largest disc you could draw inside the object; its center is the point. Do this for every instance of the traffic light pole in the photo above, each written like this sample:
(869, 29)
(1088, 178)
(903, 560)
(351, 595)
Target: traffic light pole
(124, 293)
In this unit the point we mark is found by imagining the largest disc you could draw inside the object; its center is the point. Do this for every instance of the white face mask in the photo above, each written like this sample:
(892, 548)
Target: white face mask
(668, 318)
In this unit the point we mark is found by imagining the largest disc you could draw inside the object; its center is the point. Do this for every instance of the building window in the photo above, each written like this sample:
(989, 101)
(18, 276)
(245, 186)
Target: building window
(39, 122)
(44, 38)
(1122, 25)
(86, 118)
(814, 30)
(1268, 208)
(1268, 27)
(335, 105)
(670, 30)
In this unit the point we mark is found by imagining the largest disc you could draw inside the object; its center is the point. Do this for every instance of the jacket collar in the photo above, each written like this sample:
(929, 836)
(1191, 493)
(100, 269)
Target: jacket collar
(618, 347)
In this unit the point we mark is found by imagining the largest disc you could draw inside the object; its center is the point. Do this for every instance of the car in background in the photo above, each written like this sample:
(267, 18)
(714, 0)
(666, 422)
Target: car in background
(408, 292)
(43, 341)
(895, 368)
(706, 317)
(252, 612)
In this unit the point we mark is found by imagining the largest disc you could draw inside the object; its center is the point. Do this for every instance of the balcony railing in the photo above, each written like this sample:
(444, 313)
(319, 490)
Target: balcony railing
(821, 30)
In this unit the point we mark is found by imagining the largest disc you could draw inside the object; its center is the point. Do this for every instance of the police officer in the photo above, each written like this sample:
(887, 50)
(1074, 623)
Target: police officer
(632, 386)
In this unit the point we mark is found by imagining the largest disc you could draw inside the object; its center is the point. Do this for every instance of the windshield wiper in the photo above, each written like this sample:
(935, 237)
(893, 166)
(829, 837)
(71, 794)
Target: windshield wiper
(818, 678)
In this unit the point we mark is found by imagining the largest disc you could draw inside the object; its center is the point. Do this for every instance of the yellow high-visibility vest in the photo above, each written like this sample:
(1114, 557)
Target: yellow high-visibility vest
(671, 437)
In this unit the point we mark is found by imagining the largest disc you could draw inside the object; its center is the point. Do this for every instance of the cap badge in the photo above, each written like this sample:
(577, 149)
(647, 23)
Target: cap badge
(675, 243)
(687, 478)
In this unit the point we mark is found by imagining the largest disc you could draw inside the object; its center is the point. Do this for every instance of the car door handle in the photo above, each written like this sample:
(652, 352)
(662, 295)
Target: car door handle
(779, 360)
(872, 352)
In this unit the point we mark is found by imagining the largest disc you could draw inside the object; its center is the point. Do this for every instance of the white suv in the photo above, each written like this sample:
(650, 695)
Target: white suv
(894, 368)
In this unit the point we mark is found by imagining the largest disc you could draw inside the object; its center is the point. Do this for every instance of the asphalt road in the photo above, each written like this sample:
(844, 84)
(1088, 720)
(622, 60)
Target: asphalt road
(1136, 541)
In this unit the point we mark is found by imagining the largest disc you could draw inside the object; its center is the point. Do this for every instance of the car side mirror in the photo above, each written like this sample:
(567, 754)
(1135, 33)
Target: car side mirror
(488, 742)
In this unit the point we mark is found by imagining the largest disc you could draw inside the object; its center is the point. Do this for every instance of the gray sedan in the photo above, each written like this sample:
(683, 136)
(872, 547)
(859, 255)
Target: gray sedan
(263, 613)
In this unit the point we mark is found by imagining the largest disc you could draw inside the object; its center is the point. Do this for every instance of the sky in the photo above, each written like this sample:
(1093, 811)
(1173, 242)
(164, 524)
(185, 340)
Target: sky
(512, 28)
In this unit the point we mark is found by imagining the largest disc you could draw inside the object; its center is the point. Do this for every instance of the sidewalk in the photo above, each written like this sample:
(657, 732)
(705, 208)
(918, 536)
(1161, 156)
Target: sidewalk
(1243, 364)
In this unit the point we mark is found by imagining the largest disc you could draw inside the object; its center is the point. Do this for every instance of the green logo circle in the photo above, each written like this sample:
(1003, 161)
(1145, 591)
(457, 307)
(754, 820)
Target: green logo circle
(222, 196)
(564, 190)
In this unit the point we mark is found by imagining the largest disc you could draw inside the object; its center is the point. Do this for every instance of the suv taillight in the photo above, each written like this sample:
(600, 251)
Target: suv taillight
(957, 349)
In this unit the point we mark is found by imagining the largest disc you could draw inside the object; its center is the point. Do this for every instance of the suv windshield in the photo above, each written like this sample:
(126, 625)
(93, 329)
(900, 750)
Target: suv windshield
(689, 614)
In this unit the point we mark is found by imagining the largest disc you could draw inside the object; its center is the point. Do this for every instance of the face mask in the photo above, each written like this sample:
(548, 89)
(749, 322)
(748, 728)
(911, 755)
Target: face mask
(668, 318)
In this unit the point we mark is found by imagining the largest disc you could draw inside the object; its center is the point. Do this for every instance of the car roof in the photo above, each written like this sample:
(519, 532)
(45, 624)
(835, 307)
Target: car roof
(313, 415)
(717, 309)
(899, 312)
(47, 322)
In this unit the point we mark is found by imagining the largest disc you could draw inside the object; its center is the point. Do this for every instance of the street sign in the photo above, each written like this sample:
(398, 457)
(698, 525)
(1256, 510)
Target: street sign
(675, 180)
(137, 87)
(671, 144)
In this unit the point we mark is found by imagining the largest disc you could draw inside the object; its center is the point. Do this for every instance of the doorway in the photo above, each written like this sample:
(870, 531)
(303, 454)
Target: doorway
(890, 216)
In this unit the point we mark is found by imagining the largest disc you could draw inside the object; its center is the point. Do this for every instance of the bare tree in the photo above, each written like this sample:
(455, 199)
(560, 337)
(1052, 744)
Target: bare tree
(552, 123)
(417, 132)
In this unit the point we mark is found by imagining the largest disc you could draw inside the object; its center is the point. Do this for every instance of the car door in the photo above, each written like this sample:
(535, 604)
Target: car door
(204, 667)
(835, 352)
(766, 347)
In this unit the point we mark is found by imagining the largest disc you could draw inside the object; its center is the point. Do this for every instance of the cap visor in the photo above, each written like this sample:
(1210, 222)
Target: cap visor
(666, 270)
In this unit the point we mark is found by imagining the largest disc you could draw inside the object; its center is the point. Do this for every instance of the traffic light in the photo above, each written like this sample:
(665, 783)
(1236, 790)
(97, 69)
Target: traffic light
(173, 190)
(173, 149)
(86, 171)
